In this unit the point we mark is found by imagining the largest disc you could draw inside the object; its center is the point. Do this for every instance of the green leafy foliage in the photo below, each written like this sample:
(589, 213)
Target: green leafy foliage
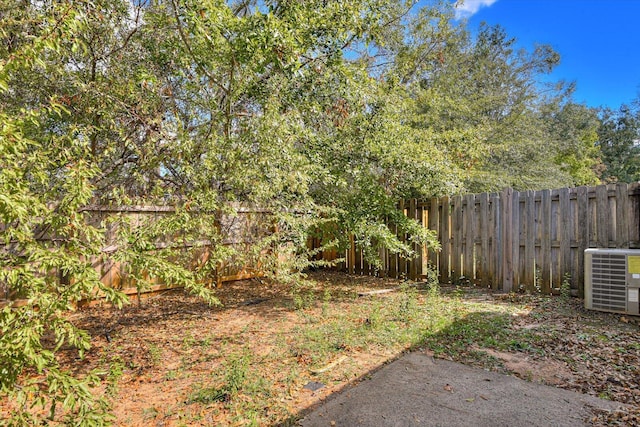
(618, 141)
(322, 115)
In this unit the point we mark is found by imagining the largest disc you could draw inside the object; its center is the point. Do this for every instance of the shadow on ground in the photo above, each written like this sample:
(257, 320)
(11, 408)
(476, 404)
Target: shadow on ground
(418, 389)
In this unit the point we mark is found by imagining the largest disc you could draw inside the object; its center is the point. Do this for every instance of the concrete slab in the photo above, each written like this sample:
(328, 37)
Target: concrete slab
(418, 390)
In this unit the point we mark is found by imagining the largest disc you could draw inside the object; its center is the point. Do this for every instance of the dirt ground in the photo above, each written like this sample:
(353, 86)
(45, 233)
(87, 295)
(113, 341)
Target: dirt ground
(174, 351)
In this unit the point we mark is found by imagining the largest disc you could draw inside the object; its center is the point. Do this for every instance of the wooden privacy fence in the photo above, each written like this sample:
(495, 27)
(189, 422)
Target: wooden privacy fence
(239, 231)
(510, 240)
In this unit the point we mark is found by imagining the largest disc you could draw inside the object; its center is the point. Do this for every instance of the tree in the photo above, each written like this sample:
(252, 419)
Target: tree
(60, 132)
(494, 119)
(190, 104)
(618, 138)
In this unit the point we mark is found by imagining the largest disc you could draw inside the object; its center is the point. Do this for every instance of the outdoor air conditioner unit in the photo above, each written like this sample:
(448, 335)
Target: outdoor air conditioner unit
(612, 280)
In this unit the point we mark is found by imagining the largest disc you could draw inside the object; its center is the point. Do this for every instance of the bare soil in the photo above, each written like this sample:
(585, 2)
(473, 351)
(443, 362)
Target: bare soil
(173, 348)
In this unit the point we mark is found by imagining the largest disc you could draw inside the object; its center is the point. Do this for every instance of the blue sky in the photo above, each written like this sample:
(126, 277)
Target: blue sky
(598, 41)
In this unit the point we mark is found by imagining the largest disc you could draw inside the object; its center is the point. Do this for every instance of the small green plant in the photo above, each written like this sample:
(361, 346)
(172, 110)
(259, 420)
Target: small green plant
(326, 302)
(116, 370)
(408, 302)
(234, 381)
(301, 299)
(155, 354)
(188, 341)
(375, 316)
(565, 287)
(432, 282)
(237, 372)
(150, 413)
(537, 281)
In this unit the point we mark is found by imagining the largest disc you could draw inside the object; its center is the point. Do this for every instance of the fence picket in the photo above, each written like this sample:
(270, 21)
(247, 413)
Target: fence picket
(622, 216)
(583, 232)
(469, 238)
(445, 240)
(565, 235)
(602, 216)
(456, 238)
(484, 253)
(434, 224)
(530, 241)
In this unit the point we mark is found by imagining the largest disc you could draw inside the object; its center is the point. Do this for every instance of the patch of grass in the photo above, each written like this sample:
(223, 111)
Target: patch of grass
(155, 354)
(234, 381)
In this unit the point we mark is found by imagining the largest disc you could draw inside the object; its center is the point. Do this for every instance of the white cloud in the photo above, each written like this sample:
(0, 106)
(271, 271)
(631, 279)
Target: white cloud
(467, 8)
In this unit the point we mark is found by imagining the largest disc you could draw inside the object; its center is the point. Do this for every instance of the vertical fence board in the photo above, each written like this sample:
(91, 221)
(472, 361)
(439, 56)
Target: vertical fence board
(576, 279)
(602, 216)
(358, 260)
(485, 226)
(420, 214)
(556, 261)
(469, 238)
(634, 215)
(622, 216)
(530, 241)
(583, 233)
(507, 239)
(496, 242)
(445, 240)
(393, 259)
(565, 233)
(456, 238)
(411, 213)
(515, 236)
(434, 224)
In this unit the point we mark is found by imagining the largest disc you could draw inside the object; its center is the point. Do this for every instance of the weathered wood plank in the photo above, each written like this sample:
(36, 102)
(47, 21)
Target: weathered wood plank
(445, 240)
(456, 241)
(495, 261)
(507, 239)
(485, 226)
(583, 234)
(622, 216)
(434, 224)
(530, 241)
(565, 233)
(602, 216)
(469, 237)
(393, 258)
(358, 260)
(634, 215)
(515, 235)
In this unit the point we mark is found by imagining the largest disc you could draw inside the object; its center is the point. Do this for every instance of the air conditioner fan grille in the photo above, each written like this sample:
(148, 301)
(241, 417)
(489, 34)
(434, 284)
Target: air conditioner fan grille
(609, 278)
